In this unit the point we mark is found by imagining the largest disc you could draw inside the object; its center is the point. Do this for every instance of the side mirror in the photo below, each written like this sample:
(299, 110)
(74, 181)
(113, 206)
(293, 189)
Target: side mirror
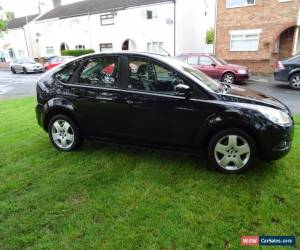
(213, 64)
(182, 90)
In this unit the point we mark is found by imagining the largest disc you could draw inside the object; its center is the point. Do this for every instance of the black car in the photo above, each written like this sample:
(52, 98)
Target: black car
(151, 100)
(289, 71)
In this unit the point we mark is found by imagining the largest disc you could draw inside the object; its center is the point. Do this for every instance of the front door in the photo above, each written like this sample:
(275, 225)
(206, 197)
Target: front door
(154, 112)
(209, 67)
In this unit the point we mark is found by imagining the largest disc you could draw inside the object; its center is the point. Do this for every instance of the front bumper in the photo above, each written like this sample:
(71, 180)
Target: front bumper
(242, 77)
(35, 70)
(276, 142)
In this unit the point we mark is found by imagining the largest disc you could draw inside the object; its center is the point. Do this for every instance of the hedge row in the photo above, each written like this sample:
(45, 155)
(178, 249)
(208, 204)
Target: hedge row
(76, 52)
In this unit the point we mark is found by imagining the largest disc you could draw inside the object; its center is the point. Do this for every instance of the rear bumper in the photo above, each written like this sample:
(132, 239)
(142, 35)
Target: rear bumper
(281, 75)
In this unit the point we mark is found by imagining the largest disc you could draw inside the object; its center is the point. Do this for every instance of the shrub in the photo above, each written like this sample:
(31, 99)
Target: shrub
(210, 36)
(77, 52)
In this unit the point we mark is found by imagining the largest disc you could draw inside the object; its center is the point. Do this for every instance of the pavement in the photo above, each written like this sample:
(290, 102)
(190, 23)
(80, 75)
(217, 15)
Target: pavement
(20, 85)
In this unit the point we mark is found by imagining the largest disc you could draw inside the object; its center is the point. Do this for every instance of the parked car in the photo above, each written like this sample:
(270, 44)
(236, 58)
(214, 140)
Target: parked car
(161, 102)
(25, 65)
(289, 71)
(53, 62)
(216, 67)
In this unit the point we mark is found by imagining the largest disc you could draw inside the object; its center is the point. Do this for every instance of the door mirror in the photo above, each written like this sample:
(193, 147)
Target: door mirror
(182, 90)
(213, 64)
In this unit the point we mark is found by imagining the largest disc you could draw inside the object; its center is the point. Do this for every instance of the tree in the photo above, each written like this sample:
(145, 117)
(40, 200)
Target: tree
(210, 36)
(4, 20)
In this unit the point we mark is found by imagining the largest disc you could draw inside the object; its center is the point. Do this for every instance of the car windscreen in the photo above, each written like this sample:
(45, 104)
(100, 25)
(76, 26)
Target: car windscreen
(213, 85)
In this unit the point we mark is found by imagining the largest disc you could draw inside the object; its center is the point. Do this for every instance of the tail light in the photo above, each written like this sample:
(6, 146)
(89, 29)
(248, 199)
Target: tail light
(280, 65)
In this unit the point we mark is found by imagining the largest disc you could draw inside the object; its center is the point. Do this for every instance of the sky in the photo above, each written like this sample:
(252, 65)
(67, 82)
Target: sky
(26, 7)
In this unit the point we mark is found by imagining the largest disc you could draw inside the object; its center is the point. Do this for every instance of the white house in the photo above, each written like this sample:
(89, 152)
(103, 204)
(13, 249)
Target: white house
(146, 25)
(18, 41)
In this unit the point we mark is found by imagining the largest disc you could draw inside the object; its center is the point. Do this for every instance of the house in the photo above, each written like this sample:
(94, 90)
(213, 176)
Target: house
(146, 25)
(18, 41)
(257, 33)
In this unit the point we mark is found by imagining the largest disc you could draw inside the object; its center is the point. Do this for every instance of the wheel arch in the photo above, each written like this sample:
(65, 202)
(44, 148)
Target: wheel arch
(293, 72)
(226, 72)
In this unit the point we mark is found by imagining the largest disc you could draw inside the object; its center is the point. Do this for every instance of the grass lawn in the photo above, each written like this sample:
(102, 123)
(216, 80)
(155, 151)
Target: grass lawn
(112, 197)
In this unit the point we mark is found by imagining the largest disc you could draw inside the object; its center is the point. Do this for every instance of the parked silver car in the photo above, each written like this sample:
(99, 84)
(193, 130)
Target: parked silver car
(25, 65)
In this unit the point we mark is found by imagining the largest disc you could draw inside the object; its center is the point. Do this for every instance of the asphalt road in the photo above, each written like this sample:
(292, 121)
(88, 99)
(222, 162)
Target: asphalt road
(20, 85)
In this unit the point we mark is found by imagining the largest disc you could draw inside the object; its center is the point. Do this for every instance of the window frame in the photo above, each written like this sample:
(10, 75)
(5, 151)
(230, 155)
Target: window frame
(194, 87)
(105, 17)
(75, 79)
(244, 33)
(239, 5)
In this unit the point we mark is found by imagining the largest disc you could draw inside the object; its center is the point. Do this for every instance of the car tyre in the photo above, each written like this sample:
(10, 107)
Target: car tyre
(64, 133)
(25, 70)
(228, 78)
(295, 81)
(231, 151)
(13, 70)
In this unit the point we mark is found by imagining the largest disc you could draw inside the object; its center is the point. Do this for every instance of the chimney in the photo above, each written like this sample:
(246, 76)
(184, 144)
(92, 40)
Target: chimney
(56, 3)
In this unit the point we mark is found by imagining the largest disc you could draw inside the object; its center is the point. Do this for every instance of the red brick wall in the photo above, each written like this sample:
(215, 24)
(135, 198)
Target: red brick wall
(271, 16)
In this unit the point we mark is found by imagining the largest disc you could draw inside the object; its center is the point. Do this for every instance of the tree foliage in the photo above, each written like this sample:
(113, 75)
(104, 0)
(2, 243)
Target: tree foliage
(210, 36)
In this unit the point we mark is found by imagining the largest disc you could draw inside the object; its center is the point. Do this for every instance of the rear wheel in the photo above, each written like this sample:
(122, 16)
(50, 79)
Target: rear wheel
(64, 133)
(228, 78)
(231, 151)
(295, 81)
(25, 70)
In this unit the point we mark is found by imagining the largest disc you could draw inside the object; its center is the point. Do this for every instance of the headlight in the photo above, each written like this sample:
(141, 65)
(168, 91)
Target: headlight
(242, 71)
(275, 116)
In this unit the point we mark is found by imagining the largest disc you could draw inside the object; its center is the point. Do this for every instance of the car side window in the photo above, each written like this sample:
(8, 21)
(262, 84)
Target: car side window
(100, 72)
(193, 60)
(145, 75)
(204, 60)
(66, 73)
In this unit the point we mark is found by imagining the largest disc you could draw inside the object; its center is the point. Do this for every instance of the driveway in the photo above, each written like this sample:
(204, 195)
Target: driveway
(20, 85)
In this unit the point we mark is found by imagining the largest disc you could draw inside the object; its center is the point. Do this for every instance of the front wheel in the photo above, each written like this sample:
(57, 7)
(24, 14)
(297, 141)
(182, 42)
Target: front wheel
(231, 151)
(64, 133)
(25, 70)
(228, 78)
(295, 81)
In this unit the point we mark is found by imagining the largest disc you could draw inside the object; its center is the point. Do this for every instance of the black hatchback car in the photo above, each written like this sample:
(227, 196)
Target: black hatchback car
(289, 71)
(151, 100)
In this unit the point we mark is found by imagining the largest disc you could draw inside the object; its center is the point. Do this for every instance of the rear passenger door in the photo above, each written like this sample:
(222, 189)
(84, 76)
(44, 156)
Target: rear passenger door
(97, 96)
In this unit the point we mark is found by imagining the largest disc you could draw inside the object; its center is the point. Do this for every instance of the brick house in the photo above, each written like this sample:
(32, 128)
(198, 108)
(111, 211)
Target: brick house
(257, 33)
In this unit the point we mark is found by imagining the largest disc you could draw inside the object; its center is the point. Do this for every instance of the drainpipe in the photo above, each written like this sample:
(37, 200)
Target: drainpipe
(216, 19)
(26, 41)
(174, 27)
(89, 30)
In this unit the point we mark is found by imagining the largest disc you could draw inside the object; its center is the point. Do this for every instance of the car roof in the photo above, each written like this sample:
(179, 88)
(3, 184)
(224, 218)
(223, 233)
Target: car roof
(196, 54)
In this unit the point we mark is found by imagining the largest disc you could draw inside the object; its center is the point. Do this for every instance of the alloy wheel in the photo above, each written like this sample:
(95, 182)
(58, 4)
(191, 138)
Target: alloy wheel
(296, 82)
(228, 78)
(232, 152)
(62, 134)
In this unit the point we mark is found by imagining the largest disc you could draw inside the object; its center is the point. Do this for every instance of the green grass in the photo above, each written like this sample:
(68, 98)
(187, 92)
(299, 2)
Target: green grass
(112, 197)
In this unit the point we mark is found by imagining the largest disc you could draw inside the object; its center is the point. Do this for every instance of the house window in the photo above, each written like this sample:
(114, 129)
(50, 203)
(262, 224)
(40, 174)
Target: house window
(107, 19)
(247, 40)
(50, 50)
(239, 3)
(106, 47)
(149, 14)
(156, 47)
(80, 46)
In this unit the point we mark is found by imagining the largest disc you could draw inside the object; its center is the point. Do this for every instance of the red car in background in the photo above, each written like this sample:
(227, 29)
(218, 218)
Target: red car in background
(53, 62)
(216, 67)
